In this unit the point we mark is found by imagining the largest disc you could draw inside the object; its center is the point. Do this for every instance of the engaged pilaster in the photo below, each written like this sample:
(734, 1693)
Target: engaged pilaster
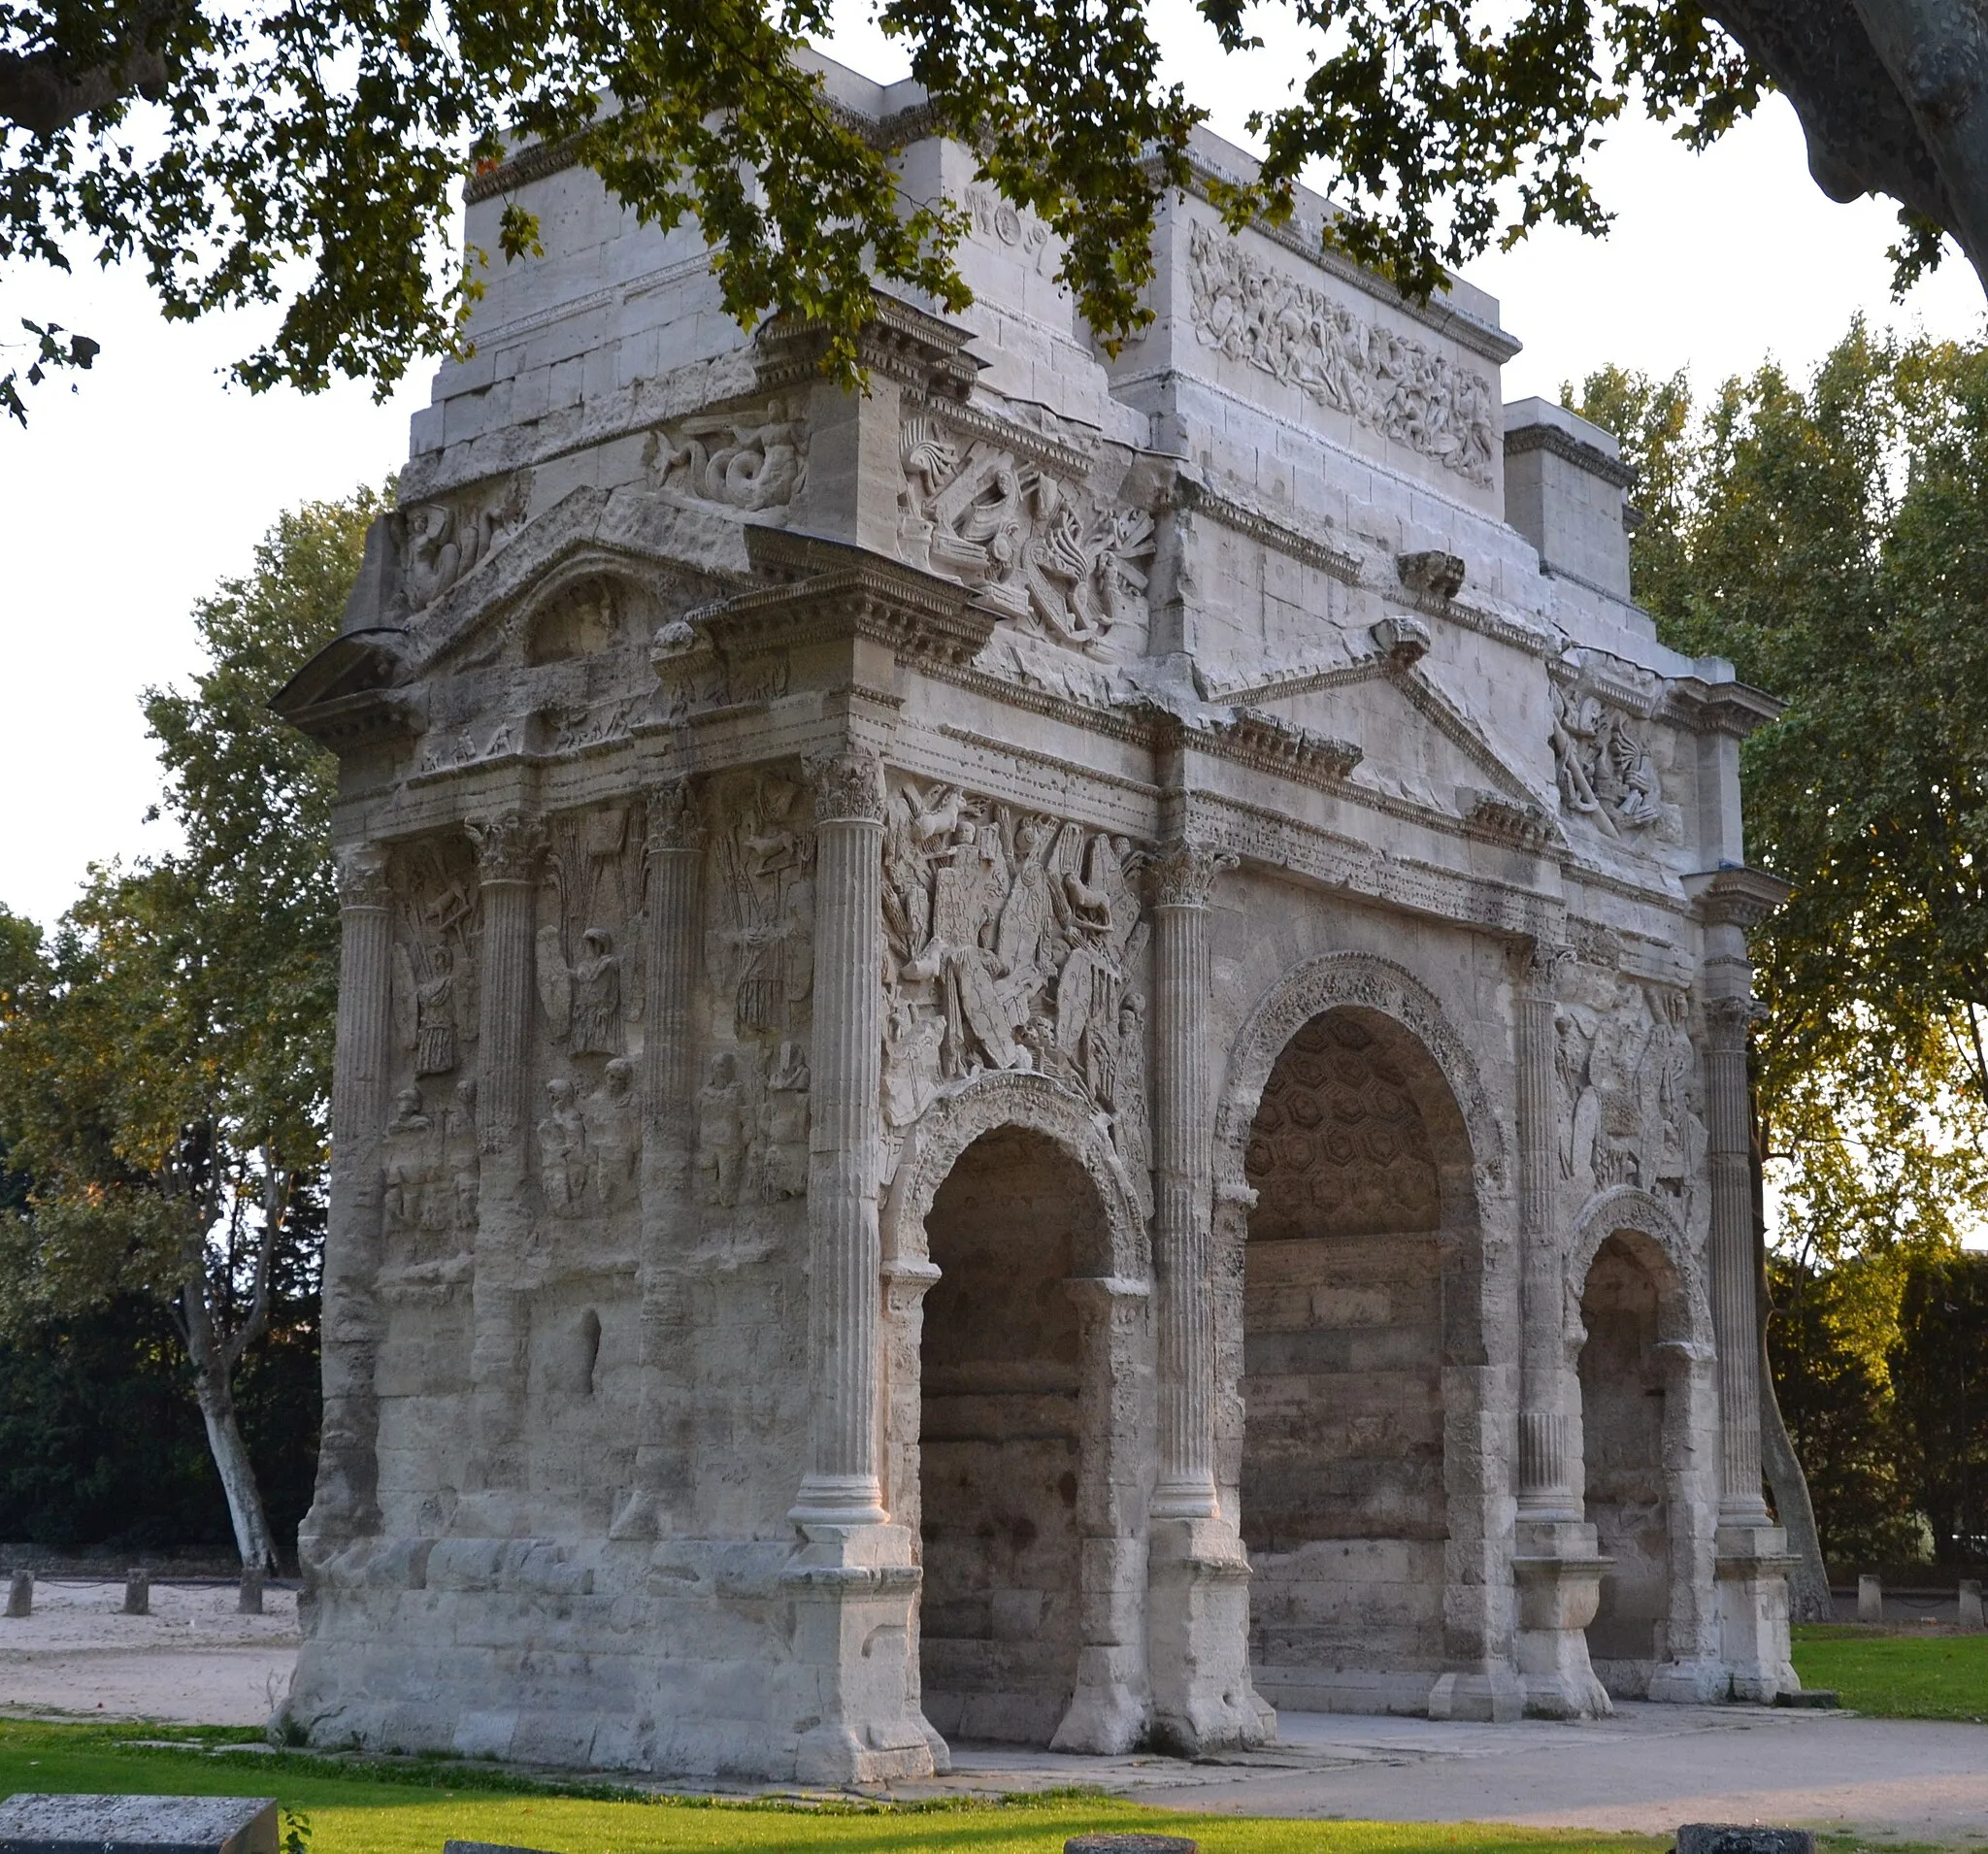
(509, 849)
(662, 1449)
(842, 1485)
(347, 1503)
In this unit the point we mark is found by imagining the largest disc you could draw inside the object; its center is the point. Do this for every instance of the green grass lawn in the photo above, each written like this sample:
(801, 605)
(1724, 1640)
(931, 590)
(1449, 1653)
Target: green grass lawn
(1893, 1674)
(353, 1811)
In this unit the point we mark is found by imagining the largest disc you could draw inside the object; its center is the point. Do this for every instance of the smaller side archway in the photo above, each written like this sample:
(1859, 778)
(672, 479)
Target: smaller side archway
(1640, 1344)
(1019, 1415)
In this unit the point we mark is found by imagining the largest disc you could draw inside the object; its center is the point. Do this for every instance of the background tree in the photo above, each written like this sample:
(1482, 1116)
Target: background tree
(1833, 542)
(308, 152)
(165, 1059)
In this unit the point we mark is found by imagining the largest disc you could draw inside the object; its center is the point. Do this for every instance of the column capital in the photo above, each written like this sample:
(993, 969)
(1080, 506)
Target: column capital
(1536, 965)
(508, 846)
(1184, 871)
(848, 785)
(673, 821)
(362, 879)
(1728, 1019)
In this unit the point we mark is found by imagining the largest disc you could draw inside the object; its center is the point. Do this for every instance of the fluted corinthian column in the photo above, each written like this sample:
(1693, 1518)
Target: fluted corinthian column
(348, 1465)
(1732, 1262)
(509, 849)
(840, 1485)
(662, 1450)
(1184, 1246)
(1545, 1489)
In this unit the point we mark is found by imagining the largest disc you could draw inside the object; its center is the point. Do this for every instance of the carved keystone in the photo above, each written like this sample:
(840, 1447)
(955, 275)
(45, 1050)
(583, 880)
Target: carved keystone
(1431, 571)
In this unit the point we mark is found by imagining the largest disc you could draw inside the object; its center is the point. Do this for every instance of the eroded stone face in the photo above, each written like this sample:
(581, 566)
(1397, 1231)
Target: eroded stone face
(1044, 1054)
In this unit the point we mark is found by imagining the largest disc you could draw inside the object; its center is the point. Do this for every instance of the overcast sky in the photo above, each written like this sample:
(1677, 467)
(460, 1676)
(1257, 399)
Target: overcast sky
(124, 501)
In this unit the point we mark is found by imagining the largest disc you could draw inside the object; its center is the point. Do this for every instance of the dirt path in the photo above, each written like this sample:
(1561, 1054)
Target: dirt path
(193, 1661)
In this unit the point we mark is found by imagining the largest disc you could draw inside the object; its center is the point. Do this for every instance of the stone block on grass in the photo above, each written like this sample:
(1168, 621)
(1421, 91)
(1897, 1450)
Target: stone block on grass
(32, 1824)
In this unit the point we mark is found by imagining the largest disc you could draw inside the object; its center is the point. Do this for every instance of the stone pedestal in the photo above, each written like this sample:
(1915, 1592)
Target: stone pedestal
(1198, 1639)
(850, 1684)
(1559, 1572)
(1753, 1565)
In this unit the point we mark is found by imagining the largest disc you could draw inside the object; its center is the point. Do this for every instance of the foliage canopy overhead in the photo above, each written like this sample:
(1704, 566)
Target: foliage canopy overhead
(307, 153)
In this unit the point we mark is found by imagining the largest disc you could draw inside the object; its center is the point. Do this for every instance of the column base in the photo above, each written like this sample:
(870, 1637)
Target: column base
(1489, 1694)
(853, 1588)
(1753, 1565)
(1700, 1682)
(1198, 1640)
(1559, 1575)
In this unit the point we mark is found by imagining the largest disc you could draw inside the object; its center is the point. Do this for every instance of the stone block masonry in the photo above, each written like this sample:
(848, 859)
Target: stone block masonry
(1054, 1054)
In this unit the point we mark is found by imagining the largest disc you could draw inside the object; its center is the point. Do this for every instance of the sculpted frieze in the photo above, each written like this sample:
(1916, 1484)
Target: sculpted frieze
(445, 539)
(1604, 764)
(1037, 546)
(754, 459)
(1251, 311)
(1630, 1102)
(1014, 942)
(433, 983)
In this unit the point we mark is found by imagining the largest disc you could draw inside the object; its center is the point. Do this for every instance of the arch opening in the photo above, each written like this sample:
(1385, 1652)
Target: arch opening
(1357, 1284)
(1003, 1450)
(1627, 1412)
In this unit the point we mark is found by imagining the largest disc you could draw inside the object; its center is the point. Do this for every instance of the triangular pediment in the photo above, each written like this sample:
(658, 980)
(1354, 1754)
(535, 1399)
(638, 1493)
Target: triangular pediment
(1416, 743)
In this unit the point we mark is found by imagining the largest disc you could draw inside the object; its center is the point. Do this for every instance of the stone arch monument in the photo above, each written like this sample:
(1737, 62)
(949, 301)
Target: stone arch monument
(1056, 1053)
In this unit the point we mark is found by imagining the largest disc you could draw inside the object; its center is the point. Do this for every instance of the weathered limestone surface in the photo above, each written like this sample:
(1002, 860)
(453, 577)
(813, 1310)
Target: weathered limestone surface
(1053, 1054)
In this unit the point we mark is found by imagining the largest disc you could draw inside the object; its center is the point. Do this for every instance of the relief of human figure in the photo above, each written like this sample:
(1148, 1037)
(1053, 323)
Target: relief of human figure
(435, 1014)
(596, 1018)
(460, 1157)
(613, 1136)
(784, 1125)
(721, 1130)
(406, 1160)
(562, 1150)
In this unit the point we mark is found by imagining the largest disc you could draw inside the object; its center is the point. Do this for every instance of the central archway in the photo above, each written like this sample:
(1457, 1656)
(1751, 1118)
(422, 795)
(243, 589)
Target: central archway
(1344, 1501)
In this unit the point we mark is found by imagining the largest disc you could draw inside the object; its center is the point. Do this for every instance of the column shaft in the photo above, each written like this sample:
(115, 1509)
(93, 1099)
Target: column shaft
(508, 854)
(1733, 1263)
(840, 1486)
(348, 1478)
(1184, 1238)
(1544, 1483)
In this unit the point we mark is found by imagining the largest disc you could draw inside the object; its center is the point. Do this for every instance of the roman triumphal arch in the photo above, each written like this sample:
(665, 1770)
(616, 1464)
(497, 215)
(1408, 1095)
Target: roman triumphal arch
(1054, 1054)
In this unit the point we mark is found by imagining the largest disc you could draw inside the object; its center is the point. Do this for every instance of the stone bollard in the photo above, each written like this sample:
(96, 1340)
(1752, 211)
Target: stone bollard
(249, 1602)
(1971, 1604)
(1130, 1845)
(20, 1594)
(1870, 1600)
(138, 1592)
(1731, 1837)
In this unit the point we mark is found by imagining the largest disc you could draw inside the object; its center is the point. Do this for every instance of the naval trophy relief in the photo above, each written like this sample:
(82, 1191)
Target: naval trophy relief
(586, 1127)
(1630, 1099)
(751, 1108)
(1035, 545)
(429, 1154)
(1013, 940)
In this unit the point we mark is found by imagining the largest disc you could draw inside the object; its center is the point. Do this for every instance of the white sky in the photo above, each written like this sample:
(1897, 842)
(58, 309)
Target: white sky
(123, 502)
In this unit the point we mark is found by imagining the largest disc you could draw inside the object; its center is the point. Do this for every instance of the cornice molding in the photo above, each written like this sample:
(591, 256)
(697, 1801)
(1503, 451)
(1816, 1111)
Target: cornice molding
(1597, 462)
